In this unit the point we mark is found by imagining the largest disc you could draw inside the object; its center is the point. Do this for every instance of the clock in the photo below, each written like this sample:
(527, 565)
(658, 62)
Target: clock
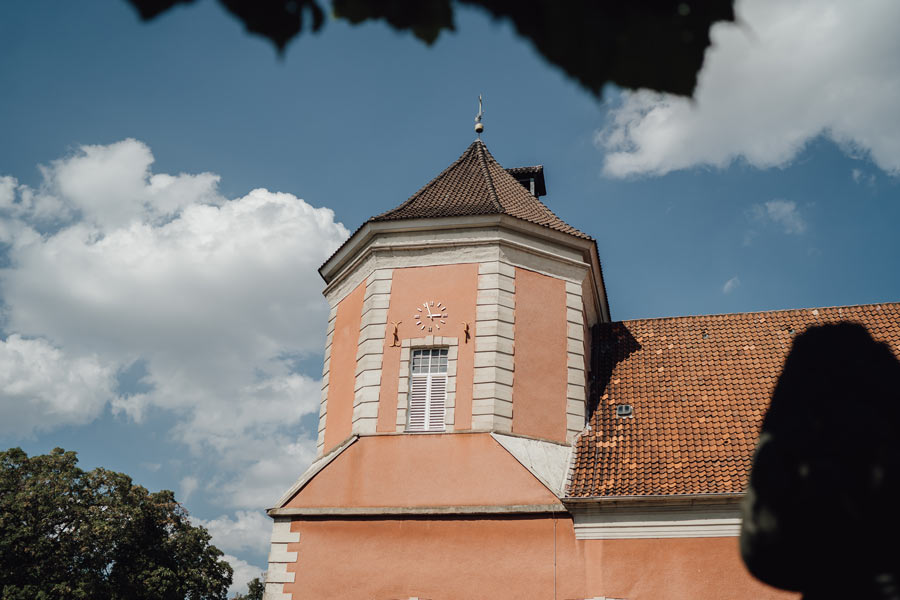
(430, 314)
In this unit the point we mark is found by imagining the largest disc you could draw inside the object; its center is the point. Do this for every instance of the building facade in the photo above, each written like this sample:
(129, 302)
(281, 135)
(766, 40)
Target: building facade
(486, 430)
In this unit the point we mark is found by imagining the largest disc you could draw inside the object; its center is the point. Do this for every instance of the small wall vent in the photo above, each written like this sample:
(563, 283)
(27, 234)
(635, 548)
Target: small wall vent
(624, 410)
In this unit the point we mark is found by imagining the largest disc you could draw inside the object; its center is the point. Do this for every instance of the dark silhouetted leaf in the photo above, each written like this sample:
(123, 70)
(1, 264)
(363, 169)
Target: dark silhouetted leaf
(658, 45)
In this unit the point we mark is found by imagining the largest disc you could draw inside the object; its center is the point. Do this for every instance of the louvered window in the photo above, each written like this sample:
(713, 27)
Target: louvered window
(427, 389)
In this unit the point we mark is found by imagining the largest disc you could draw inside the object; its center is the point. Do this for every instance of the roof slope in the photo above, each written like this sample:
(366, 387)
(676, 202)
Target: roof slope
(475, 184)
(699, 387)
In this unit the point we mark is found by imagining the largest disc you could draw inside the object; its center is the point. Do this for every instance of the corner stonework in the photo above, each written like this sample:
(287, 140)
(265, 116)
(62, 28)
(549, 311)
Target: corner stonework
(370, 351)
(576, 342)
(323, 403)
(492, 404)
(279, 559)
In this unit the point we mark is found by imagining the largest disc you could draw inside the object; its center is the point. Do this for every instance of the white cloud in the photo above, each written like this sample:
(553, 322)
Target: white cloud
(786, 73)
(243, 573)
(189, 485)
(783, 213)
(731, 285)
(216, 297)
(248, 530)
(41, 387)
(8, 187)
(859, 176)
(263, 481)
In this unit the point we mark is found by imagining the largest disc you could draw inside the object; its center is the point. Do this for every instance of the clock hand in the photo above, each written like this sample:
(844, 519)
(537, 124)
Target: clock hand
(430, 316)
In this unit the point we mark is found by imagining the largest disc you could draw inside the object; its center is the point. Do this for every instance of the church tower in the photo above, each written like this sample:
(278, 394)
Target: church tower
(456, 378)
(466, 308)
(486, 432)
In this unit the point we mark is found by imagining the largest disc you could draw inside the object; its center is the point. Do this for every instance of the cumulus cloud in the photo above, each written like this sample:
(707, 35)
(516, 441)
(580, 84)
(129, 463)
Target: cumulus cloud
(786, 73)
(189, 485)
(859, 176)
(110, 264)
(43, 388)
(731, 285)
(243, 573)
(246, 531)
(782, 213)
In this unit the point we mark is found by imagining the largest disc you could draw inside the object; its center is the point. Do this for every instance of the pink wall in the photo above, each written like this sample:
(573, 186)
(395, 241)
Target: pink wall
(508, 558)
(451, 469)
(342, 368)
(539, 384)
(456, 286)
(674, 568)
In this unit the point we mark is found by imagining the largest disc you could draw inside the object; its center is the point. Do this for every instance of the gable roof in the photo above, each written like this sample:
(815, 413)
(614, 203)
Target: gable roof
(699, 387)
(475, 184)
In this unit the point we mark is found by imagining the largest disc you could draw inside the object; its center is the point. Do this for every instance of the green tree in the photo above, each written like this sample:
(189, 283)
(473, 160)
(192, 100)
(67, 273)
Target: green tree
(69, 533)
(255, 589)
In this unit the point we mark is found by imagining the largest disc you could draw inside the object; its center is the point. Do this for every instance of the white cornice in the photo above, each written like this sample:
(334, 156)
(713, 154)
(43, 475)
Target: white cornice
(615, 522)
(361, 246)
(376, 511)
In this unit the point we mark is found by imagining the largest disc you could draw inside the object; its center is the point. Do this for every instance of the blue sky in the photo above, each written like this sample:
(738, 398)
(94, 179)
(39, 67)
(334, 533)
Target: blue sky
(164, 319)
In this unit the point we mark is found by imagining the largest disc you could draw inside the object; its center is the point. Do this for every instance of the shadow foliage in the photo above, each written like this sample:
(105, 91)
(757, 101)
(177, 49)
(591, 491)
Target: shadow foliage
(657, 44)
(821, 512)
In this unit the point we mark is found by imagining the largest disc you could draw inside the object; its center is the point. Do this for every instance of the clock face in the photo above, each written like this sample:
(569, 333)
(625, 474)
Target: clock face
(430, 314)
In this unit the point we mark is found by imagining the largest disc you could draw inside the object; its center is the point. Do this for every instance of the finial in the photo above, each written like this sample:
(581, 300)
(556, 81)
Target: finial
(478, 126)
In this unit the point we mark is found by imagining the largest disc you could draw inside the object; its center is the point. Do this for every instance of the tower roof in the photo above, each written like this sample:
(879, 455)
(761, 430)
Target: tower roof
(475, 184)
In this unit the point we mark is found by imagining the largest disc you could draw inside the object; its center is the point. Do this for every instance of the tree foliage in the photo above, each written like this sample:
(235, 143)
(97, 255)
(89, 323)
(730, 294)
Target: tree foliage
(69, 533)
(255, 590)
(656, 44)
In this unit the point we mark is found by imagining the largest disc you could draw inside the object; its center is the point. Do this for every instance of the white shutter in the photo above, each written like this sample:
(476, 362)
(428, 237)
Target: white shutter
(418, 402)
(437, 395)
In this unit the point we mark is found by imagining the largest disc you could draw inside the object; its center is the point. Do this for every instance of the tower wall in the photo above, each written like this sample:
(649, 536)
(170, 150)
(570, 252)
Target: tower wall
(539, 391)
(512, 368)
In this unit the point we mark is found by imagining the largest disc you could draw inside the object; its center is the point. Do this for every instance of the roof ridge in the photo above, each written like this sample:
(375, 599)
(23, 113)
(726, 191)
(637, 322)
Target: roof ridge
(425, 187)
(758, 312)
(481, 148)
(457, 191)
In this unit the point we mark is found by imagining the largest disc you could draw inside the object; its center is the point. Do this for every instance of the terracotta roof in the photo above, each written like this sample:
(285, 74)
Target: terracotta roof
(475, 184)
(699, 387)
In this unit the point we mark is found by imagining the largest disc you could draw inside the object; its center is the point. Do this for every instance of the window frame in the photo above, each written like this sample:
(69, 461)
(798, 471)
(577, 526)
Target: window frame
(406, 383)
(430, 374)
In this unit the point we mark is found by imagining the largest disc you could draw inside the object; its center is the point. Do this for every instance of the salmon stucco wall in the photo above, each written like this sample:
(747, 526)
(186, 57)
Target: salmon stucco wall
(455, 286)
(673, 568)
(342, 368)
(450, 469)
(506, 558)
(539, 385)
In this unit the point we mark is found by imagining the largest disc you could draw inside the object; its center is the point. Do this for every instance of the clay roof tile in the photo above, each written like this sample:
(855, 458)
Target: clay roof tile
(706, 421)
(475, 184)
